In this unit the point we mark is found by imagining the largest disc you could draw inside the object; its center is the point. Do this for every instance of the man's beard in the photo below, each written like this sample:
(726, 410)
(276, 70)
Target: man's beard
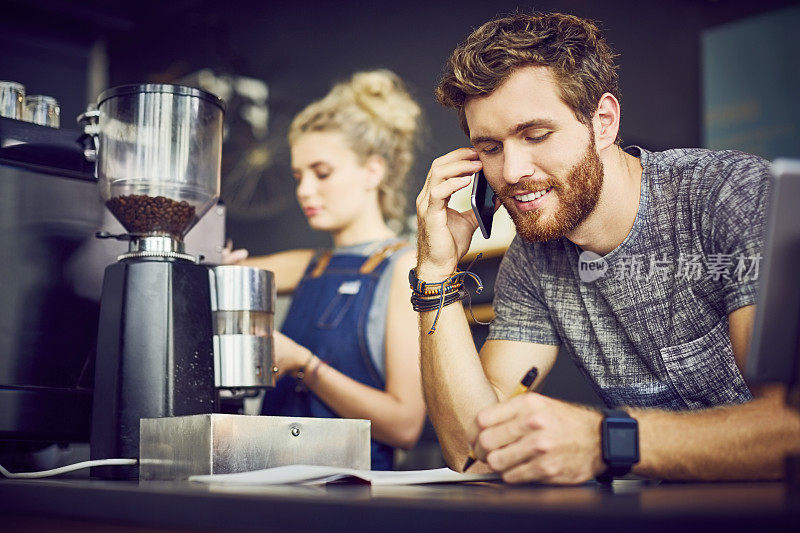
(577, 197)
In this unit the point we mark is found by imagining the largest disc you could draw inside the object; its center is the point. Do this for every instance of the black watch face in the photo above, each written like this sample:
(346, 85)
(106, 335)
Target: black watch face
(622, 442)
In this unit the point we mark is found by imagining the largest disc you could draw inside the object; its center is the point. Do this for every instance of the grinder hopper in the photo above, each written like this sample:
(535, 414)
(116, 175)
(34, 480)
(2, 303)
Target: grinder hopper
(158, 161)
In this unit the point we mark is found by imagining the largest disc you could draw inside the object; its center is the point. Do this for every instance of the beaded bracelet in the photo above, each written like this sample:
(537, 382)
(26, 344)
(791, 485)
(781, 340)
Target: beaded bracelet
(429, 304)
(300, 375)
(433, 296)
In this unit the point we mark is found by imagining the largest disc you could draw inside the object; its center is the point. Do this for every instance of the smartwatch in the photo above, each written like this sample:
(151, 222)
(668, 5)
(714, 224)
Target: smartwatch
(619, 441)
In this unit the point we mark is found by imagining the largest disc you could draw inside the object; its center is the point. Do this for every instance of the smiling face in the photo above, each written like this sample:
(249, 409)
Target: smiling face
(334, 188)
(539, 158)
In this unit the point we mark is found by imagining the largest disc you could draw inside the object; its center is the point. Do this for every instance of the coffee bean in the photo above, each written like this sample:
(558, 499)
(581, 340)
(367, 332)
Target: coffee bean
(142, 214)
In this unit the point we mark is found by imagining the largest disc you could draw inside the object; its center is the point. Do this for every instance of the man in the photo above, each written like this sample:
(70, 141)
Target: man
(538, 97)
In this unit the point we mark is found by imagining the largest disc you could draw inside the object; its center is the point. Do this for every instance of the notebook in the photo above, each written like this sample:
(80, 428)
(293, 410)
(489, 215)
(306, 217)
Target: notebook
(318, 475)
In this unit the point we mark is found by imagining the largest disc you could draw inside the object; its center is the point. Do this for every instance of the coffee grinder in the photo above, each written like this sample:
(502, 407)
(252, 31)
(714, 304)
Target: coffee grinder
(158, 153)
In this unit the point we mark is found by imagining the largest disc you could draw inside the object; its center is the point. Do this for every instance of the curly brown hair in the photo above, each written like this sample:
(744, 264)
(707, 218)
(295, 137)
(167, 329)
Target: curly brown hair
(574, 49)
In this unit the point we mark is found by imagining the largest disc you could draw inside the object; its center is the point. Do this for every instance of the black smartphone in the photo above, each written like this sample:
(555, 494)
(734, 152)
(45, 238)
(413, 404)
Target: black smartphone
(483, 203)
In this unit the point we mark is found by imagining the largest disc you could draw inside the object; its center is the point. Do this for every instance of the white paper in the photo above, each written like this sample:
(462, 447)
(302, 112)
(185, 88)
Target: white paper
(315, 475)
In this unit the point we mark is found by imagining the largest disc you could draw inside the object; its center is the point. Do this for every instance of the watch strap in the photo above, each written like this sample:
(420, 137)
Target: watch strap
(616, 413)
(612, 471)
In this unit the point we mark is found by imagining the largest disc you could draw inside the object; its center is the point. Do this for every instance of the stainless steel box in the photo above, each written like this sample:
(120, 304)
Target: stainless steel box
(178, 447)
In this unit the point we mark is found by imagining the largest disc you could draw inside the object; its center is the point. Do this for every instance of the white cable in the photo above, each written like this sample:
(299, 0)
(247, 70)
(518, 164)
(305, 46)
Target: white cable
(67, 468)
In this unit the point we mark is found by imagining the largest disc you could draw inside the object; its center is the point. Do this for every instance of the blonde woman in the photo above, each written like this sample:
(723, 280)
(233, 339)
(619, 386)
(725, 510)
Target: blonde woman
(349, 344)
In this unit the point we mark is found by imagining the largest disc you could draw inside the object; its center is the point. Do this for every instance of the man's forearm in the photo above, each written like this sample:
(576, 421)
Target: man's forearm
(453, 380)
(748, 441)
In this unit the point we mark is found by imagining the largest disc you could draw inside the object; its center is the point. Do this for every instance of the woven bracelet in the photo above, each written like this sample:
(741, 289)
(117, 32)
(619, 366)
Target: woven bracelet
(429, 304)
(444, 296)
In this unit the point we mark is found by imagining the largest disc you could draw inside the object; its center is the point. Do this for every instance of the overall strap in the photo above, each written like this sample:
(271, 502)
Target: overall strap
(379, 256)
(322, 263)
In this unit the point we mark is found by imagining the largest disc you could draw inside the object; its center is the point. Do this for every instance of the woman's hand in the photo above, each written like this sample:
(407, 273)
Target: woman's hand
(288, 356)
(231, 256)
(444, 234)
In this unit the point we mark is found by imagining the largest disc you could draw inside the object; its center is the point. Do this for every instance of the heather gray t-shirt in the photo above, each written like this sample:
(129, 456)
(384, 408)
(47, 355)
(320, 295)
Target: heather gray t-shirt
(647, 323)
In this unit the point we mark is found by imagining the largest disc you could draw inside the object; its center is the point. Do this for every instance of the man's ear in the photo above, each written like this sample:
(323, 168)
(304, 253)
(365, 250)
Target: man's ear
(376, 171)
(606, 121)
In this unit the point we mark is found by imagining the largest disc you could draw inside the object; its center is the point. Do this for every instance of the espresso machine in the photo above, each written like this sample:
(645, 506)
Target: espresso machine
(158, 153)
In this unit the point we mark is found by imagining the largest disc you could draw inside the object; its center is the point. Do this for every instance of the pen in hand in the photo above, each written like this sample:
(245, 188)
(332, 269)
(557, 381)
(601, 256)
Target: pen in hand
(524, 386)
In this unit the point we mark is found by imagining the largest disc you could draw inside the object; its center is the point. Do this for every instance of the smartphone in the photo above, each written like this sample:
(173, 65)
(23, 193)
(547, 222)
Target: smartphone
(483, 203)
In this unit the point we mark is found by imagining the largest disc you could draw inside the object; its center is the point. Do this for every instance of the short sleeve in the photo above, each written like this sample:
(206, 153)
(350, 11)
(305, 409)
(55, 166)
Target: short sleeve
(734, 223)
(520, 313)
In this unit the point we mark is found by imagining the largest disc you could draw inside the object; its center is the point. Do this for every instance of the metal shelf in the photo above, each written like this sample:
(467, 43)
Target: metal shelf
(57, 152)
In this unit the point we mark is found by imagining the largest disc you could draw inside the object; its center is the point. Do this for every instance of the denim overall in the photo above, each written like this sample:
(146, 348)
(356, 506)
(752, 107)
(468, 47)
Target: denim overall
(328, 315)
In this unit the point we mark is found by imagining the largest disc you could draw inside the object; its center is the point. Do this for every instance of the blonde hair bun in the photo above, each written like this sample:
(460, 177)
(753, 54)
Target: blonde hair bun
(382, 94)
(375, 113)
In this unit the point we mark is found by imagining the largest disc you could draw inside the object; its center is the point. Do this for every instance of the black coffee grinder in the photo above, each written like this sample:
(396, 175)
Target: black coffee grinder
(158, 166)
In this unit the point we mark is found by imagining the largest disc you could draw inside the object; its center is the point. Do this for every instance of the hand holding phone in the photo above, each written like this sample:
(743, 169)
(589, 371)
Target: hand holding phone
(483, 203)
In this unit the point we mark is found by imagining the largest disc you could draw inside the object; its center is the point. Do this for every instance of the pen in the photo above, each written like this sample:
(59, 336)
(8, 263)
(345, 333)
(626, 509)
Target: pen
(524, 386)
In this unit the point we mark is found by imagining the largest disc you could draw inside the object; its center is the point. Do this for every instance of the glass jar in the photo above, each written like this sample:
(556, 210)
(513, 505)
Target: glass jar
(12, 98)
(42, 110)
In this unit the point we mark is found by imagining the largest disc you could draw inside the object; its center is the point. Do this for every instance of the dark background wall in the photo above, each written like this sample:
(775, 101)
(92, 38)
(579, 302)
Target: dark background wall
(72, 49)
(300, 48)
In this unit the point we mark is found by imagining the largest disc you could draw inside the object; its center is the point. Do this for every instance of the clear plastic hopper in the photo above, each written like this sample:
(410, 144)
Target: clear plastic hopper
(158, 159)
